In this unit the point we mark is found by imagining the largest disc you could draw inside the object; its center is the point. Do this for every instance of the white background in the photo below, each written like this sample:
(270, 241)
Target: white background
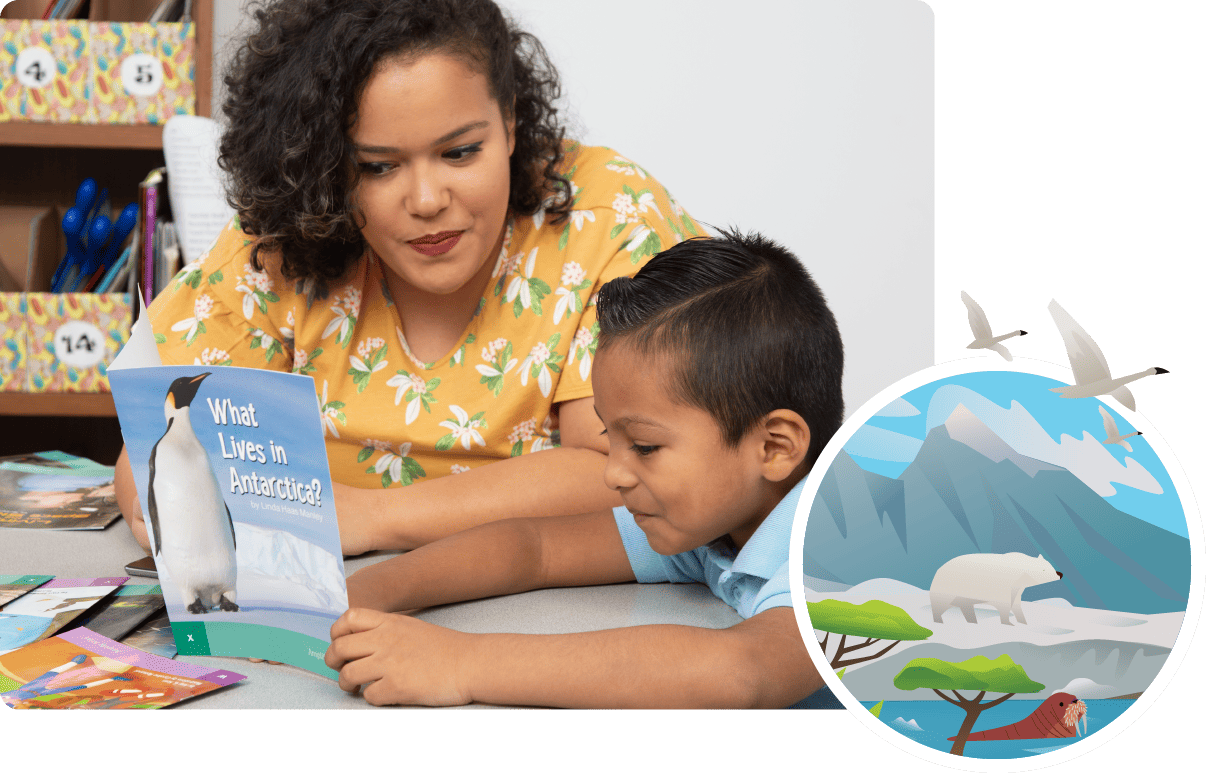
(810, 122)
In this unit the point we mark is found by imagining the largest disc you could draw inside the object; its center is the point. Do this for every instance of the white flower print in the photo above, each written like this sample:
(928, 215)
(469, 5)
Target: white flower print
(214, 356)
(287, 332)
(393, 465)
(572, 273)
(542, 362)
(525, 289)
(203, 306)
(583, 346)
(459, 468)
(464, 429)
(497, 355)
(624, 166)
(369, 358)
(574, 277)
(625, 208)
(421, 392)
(256, 287)
(331, 410)
(346, 308)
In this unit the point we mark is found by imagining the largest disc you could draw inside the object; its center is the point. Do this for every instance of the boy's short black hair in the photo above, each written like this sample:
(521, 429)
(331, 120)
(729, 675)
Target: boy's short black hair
(747, 327)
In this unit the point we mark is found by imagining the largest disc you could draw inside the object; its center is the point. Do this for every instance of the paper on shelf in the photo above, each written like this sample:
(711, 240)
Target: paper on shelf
(190, 148)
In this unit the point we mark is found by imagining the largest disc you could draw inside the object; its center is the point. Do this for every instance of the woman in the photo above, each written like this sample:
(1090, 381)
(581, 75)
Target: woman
(415, 233)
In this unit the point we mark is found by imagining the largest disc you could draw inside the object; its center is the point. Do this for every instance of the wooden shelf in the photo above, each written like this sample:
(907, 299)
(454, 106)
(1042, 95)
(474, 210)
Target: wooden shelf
(56, 404)
(78, 135)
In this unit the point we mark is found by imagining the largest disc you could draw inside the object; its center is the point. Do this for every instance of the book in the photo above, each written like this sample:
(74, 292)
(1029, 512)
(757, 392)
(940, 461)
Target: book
(121, 612)
(14, 586)
(82, 669)
(54, 490)
(154, 635)
(41, 613)
(232, 476)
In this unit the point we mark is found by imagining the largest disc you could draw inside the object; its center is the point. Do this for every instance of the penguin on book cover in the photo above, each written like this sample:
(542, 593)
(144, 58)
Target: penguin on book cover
(192, 532)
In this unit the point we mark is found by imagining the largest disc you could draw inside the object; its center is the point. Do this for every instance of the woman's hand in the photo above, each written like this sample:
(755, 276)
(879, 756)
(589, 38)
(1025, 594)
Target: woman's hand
(400, 659)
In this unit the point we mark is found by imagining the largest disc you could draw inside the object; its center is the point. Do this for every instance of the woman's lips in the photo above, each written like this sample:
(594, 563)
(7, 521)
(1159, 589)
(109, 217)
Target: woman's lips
(436, 244)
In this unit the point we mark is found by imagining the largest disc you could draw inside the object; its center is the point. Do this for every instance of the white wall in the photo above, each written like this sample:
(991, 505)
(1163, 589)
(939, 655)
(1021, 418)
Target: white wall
(811, 122)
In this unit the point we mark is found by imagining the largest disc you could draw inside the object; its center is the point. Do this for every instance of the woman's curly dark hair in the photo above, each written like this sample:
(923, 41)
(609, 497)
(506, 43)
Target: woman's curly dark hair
(293, 91)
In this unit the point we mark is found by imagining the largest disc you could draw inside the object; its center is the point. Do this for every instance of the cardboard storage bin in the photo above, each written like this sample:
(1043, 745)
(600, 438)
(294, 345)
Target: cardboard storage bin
(52, 342)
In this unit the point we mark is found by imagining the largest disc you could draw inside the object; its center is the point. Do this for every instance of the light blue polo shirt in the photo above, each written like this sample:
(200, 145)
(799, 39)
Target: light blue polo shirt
(753, 581)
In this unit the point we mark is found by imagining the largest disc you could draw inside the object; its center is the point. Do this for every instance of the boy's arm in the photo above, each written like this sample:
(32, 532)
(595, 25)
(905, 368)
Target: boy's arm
(497, 559)
(758, 663)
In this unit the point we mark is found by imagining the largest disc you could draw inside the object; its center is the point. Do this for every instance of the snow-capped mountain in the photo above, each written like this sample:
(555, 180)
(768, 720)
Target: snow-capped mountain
(970, 491)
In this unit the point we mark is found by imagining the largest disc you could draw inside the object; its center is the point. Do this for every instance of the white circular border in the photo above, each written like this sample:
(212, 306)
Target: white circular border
(796, 572)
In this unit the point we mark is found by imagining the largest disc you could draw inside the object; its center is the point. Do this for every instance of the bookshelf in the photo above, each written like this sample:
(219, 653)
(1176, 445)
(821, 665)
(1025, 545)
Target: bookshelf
(43, 163)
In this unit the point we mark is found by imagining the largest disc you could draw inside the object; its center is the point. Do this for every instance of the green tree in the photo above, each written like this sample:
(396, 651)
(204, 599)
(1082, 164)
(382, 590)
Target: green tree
(876, 621)
(978, 673)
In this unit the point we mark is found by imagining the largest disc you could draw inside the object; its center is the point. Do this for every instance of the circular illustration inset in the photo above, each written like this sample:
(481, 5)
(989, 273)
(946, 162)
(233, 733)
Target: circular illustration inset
(991, 568)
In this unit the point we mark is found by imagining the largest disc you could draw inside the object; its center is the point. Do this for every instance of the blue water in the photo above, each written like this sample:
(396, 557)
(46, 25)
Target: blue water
(940, 720)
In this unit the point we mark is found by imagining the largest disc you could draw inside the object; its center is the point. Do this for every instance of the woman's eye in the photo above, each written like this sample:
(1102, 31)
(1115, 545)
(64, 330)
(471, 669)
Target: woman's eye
(643, 450)
(463, 152)
(375, 168)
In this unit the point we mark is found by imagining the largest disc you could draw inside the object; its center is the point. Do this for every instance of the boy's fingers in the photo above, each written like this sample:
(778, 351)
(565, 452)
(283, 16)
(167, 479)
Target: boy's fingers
(348, 648)
(356, 673)
(355, 621)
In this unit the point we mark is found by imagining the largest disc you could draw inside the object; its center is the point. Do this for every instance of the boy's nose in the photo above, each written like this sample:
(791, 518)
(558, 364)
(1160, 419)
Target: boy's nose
(615, 475)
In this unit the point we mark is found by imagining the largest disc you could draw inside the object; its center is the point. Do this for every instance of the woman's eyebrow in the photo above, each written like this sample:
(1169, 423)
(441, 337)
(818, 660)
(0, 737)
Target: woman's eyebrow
(452, 135)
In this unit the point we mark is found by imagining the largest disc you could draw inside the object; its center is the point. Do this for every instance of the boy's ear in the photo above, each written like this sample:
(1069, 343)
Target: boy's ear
(785, 439)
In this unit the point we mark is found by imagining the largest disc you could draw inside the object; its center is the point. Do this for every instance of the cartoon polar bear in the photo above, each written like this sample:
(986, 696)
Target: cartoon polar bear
(988, 578)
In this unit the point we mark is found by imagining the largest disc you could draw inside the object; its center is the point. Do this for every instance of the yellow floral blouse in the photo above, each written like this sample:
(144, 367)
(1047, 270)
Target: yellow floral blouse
(389, 419)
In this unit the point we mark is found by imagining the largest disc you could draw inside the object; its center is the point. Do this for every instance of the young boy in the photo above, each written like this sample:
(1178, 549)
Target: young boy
(718, 379)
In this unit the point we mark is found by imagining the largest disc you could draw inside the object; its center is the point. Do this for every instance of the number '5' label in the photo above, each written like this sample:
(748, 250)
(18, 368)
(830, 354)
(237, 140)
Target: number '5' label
(79, 344)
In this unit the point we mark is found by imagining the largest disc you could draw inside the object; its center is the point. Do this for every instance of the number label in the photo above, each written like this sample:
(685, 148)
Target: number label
(141, 75)
(35, 67)
(79, 344)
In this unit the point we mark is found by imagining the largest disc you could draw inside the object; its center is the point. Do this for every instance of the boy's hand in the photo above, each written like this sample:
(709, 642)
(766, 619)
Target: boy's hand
(400, 659)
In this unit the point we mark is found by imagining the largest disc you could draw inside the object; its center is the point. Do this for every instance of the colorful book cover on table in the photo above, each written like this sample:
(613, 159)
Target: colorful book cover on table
(39, 614)
(14, 586)
(81, 669)
(232, 475)
(154, 636)
(54, 490)
(121, 612)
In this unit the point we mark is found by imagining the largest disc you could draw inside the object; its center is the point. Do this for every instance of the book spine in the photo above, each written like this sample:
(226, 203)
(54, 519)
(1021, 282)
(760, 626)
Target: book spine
(148, 246)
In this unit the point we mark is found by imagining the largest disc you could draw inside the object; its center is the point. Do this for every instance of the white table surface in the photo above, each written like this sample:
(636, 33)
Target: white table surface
(555, 610)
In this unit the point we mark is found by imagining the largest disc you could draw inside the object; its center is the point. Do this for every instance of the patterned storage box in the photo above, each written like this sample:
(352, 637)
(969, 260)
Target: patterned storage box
(13, 377)
(72, 338)
(45, 68)
(142, 73)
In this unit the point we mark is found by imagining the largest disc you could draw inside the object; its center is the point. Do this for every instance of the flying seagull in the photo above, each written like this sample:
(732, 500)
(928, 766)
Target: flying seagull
(982, 332)
(1111, 430)
(1089, 366)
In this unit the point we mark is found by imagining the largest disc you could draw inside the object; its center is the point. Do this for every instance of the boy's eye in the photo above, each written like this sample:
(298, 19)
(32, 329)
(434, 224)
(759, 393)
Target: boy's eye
(463, 152)
(643, 450)
(375, 168)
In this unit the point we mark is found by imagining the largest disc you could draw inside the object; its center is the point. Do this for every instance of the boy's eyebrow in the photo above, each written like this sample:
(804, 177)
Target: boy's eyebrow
(452, 135)
(628, 421)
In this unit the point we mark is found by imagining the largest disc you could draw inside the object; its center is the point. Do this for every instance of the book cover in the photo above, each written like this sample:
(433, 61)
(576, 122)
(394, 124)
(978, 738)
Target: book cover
(232, 476)
(53, 490)
(81, 669)
(121, 612)
(154, 636)
(41, 613)
(13, 586)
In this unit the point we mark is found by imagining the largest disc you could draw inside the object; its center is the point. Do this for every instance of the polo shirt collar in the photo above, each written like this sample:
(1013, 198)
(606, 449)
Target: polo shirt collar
(765, 551)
